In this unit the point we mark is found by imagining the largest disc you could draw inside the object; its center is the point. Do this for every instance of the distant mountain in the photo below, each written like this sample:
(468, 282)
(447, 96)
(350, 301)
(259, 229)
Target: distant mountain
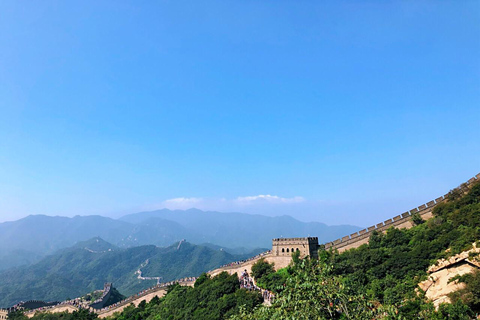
(27, 240)
(240, 229)
(82, 268)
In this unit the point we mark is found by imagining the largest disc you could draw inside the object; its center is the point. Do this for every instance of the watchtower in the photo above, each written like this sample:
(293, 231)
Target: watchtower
(3, 314)
(307, 246)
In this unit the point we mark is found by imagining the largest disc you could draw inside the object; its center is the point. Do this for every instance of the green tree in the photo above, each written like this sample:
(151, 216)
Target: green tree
(262, 268)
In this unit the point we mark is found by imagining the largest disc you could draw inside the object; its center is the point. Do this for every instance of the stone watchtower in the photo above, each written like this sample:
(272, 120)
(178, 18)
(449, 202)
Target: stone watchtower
(286, 246)
(3, 314)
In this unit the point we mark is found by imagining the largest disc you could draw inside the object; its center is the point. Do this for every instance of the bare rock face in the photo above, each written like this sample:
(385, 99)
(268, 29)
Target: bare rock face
(437, 286)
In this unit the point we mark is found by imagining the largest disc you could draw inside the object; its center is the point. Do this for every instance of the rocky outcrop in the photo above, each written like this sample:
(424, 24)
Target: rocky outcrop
(438, 285)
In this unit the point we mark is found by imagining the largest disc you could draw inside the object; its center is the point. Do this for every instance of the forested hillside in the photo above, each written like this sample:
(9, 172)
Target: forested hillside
(88, 265)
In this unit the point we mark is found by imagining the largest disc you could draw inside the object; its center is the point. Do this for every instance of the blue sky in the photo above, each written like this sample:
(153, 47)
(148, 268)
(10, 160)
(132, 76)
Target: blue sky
(332, 111)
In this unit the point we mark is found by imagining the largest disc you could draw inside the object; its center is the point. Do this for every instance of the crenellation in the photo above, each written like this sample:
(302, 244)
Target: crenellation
(478, 176)
(362, 231)
(413, 211)
(370, 228)
(405, 214)
(397, 218)
(354, 235)
(431, 203)
(439, 199)
(346, 238)
(422, 207)
(472, 180)
(379, 225)
(387, 222)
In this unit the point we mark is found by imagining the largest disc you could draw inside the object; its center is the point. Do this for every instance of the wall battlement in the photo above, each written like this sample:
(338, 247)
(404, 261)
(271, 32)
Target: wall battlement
(400, 221)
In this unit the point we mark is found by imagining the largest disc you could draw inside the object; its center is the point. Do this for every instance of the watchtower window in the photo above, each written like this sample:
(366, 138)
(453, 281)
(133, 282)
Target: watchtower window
(298, 249)
(293, 250)
(287, 250)
(283, 250)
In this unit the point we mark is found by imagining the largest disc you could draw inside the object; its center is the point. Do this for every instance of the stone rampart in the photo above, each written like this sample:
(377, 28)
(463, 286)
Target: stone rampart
(62, 307)
(278, 261)
(147, 295)
(403, 220)
(107, 292)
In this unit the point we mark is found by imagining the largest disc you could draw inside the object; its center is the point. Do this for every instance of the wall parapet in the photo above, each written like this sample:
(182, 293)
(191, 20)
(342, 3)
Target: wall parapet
(398, 220)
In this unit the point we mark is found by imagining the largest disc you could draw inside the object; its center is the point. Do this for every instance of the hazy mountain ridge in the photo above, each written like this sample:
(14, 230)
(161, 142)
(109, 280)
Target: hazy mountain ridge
(29, 239)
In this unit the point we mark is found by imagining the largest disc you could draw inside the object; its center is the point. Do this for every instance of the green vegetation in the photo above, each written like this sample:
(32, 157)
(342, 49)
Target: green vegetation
(210, 299)
(470, 295)
(266, 277)
(74, 271)
(389, 268)
(76, 315)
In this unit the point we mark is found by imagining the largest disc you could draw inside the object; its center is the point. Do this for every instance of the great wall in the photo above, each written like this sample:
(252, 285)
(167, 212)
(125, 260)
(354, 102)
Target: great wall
(280, 255)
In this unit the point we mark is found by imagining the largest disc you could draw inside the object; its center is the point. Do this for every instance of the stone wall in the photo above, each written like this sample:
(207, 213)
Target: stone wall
(146, 295)
(56, 309)
(278, 261)
(403, 220)
(107, 292)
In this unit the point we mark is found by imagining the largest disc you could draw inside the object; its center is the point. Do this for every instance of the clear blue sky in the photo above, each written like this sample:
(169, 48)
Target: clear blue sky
(333, 111)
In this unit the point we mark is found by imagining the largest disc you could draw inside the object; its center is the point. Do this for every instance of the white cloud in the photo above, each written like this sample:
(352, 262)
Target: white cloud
(266, 198)
(181, 203)
(224, 204)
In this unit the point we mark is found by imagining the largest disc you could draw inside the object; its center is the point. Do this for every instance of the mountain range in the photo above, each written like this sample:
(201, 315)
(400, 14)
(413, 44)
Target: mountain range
(27, 240)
